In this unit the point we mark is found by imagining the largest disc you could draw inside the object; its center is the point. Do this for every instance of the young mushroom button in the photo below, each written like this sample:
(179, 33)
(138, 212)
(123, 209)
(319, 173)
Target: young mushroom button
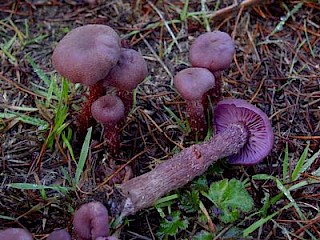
(60, 234)
(260, 136)
(109, 111)
(193, 84)
(15, 234)
(91, 221)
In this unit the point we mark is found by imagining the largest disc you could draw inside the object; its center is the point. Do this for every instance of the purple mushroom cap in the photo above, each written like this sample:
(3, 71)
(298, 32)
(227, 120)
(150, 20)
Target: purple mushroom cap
(108, 109)
(260, 134)
(212, 50)
(193, 83)
(87, 54)
(15, 234)
(130, 70)
(60, 234)
(91, 221)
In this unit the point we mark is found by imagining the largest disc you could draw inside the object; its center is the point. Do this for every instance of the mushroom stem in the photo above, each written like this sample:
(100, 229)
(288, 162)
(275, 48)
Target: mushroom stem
(215, 94)
(84, 118)
(196, 113)
(127, 98)
(143, 191)
(112, 136)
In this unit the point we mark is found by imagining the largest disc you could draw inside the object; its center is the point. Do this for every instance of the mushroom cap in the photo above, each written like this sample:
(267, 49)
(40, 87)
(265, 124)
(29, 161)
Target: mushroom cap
(192, 83)
(108, 109)
(87, 54)
(212, 50)
(130, 70)
(60, 234)
(15, 234)
(260, 134)
(91, 221)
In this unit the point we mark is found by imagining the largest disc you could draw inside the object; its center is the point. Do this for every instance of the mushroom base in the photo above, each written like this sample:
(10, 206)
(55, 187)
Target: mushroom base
(143, 191)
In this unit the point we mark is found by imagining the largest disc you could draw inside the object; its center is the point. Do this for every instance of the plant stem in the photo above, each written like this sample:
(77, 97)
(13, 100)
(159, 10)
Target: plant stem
(144, 190)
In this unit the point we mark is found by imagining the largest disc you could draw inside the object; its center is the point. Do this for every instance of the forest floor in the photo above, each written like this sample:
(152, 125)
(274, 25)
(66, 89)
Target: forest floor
(276, 67)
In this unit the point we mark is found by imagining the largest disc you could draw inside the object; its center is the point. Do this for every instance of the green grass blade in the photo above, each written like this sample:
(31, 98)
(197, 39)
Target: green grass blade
(83, 156)
(297, 170)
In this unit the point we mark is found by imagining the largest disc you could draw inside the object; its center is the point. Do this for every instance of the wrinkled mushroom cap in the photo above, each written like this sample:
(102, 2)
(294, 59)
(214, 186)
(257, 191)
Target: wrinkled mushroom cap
(212, 50)
(130, 70)
(260, 134)
(91, 221)
(60, 234)
(108, 109)
(15, 234)
(87, 54)
(192, 83)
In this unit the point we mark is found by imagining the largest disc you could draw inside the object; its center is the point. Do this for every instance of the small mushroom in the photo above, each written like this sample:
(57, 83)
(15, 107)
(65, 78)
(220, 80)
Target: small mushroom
(130, 70)
(86, 55)
(15, 234)
(109, 111)
(254, 122)
(214, 51)
(91, 221)
(59, 234)
(244, 134)
(193, 85)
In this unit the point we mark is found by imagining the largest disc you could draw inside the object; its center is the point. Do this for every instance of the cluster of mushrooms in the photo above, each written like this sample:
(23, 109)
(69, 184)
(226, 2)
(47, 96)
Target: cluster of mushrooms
(92, 55)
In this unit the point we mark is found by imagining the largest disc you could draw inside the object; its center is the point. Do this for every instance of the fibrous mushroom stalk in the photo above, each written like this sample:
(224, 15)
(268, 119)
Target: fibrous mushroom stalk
(196, 112)
(143, 191)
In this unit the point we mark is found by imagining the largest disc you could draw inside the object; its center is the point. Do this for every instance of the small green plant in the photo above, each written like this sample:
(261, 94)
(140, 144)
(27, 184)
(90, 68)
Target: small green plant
(227, 200)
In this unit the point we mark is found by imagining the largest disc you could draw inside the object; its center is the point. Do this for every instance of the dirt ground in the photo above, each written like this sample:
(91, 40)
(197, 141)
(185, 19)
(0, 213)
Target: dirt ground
(276, 67)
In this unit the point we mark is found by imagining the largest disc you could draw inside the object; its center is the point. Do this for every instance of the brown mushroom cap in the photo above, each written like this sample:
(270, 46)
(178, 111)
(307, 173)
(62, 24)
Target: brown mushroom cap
(212, 50)
(130, 70)
(192, 83)
(108, 109)
(91, 221)
(15, 234)
(87, 54)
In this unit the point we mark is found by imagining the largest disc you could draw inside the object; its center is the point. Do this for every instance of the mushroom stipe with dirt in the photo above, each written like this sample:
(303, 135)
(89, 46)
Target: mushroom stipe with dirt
(243, 134)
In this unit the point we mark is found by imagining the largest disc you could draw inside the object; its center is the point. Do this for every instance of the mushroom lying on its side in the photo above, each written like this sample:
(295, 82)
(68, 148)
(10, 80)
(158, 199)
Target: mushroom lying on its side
(244, 134)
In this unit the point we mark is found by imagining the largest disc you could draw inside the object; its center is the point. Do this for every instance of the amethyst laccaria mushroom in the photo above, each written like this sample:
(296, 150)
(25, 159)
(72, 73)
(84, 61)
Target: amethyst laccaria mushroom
(59, 234)
(91, 221)
(86, 55)
(130, 70)
(214, 51)
(193, 85)
(15, 234)
(243, 134)
(109, 110)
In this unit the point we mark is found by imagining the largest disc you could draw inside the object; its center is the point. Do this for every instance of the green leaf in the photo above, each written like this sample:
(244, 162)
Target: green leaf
(190, 201)
(230, 197)
(171, 225)
(296, 172)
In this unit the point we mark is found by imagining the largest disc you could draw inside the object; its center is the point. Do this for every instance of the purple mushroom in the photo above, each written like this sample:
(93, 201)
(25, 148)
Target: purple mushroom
(109, 111)
(91, 221)
(130, 70)
(214, 51)
(254, 122)
(59, 234)
(244, 134)
(86, 55)
(193, 85)
(15, 234)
